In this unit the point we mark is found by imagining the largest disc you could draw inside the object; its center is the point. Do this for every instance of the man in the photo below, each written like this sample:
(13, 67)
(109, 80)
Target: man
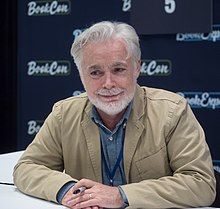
(127, 145)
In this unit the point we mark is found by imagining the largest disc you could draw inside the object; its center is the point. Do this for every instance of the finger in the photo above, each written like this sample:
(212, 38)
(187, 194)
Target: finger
(85, 182)
(85, 204)
(69, 197)
(81, 198)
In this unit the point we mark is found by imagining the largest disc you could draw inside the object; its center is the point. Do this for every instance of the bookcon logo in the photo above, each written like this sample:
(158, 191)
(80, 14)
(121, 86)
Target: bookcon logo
(48, 68)
(189, 37)
(78, 92)
(126, 5)
(42, 8)
(34, 126)
(156, 68)
(77, 32)
(202, 99)
(216, 165)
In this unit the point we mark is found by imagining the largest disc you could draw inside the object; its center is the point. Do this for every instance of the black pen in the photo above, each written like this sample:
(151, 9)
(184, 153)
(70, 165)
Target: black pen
(79, 190)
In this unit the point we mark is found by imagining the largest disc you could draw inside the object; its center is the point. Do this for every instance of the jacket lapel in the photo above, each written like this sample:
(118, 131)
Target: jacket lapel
(92, 136)
(133, 133)
(134, 129)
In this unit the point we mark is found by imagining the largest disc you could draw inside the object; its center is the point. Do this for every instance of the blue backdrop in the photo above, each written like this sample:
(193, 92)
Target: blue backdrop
(187, 63)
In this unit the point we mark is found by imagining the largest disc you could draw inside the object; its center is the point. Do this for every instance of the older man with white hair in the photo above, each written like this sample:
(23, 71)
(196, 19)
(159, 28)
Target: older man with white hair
(118, 144)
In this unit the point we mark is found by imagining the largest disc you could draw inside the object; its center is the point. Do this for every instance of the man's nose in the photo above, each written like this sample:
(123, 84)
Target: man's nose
(108, 82)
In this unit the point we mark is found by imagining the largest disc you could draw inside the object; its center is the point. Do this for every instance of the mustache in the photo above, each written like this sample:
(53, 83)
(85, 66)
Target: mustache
(109, 92)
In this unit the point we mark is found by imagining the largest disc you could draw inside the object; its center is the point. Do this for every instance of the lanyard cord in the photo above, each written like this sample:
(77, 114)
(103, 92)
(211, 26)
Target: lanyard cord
(111, 174)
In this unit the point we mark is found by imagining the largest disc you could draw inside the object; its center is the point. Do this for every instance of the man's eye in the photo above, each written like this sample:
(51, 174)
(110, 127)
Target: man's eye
(119, 70)
(95, 73)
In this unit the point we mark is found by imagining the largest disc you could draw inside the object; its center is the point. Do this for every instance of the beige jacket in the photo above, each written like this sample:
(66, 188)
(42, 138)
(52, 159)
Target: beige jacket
(166, 159)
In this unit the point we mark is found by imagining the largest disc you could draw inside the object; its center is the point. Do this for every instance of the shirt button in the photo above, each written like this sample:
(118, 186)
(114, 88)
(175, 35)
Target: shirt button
(110, 138)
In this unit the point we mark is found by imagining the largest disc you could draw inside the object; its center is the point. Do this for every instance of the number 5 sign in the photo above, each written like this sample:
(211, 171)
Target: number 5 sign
(169, 6)
(171, 16)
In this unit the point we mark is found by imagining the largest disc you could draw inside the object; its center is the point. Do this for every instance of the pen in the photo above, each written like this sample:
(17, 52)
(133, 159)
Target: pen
(79, 190)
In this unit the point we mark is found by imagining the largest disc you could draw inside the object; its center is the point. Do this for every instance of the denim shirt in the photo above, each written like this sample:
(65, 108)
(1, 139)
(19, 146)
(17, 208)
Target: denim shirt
(112, 142)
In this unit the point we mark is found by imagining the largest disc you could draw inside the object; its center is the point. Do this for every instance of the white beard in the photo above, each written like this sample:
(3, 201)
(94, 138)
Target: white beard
(115, 107)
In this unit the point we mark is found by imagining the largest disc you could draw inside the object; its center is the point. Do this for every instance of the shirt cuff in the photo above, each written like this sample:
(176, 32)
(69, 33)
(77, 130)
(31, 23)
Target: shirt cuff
(125, 204)
(64, 189)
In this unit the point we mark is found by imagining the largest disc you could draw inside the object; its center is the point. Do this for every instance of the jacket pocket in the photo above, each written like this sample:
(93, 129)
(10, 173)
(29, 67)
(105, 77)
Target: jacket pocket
(154, 166)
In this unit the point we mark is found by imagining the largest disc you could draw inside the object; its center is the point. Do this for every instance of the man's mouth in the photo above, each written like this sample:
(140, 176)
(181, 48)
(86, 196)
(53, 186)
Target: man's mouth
(110, 98)
(110, 95)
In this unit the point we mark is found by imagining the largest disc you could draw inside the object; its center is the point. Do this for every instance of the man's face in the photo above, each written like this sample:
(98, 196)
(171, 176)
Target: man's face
(109, 76)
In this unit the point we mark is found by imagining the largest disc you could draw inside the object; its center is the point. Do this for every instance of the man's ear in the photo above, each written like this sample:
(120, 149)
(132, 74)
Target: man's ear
(138, 68)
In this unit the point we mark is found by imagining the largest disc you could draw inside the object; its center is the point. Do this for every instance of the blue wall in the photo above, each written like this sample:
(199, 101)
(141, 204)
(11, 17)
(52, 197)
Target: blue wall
(187, 63)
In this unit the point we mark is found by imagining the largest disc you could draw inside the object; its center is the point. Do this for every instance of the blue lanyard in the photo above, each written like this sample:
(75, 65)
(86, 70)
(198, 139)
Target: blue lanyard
(111, 174)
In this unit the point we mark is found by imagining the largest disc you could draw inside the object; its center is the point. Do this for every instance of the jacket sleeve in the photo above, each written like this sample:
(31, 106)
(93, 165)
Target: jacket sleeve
(192, 183)
(39, 171)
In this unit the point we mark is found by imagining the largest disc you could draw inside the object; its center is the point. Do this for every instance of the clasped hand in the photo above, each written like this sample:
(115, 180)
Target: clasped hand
(95, 196)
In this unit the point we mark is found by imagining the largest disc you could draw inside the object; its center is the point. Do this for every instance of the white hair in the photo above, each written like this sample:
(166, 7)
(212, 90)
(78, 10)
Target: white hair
(104, 31)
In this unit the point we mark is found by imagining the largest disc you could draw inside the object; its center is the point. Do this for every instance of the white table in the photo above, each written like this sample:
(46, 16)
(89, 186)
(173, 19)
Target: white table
(7, 163)
(11, 197)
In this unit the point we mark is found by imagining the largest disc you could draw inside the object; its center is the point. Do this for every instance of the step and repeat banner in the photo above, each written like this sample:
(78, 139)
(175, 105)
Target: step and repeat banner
(180, 43)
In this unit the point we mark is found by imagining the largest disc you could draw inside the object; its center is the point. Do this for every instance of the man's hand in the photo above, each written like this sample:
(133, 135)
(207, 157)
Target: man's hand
(95, 196)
